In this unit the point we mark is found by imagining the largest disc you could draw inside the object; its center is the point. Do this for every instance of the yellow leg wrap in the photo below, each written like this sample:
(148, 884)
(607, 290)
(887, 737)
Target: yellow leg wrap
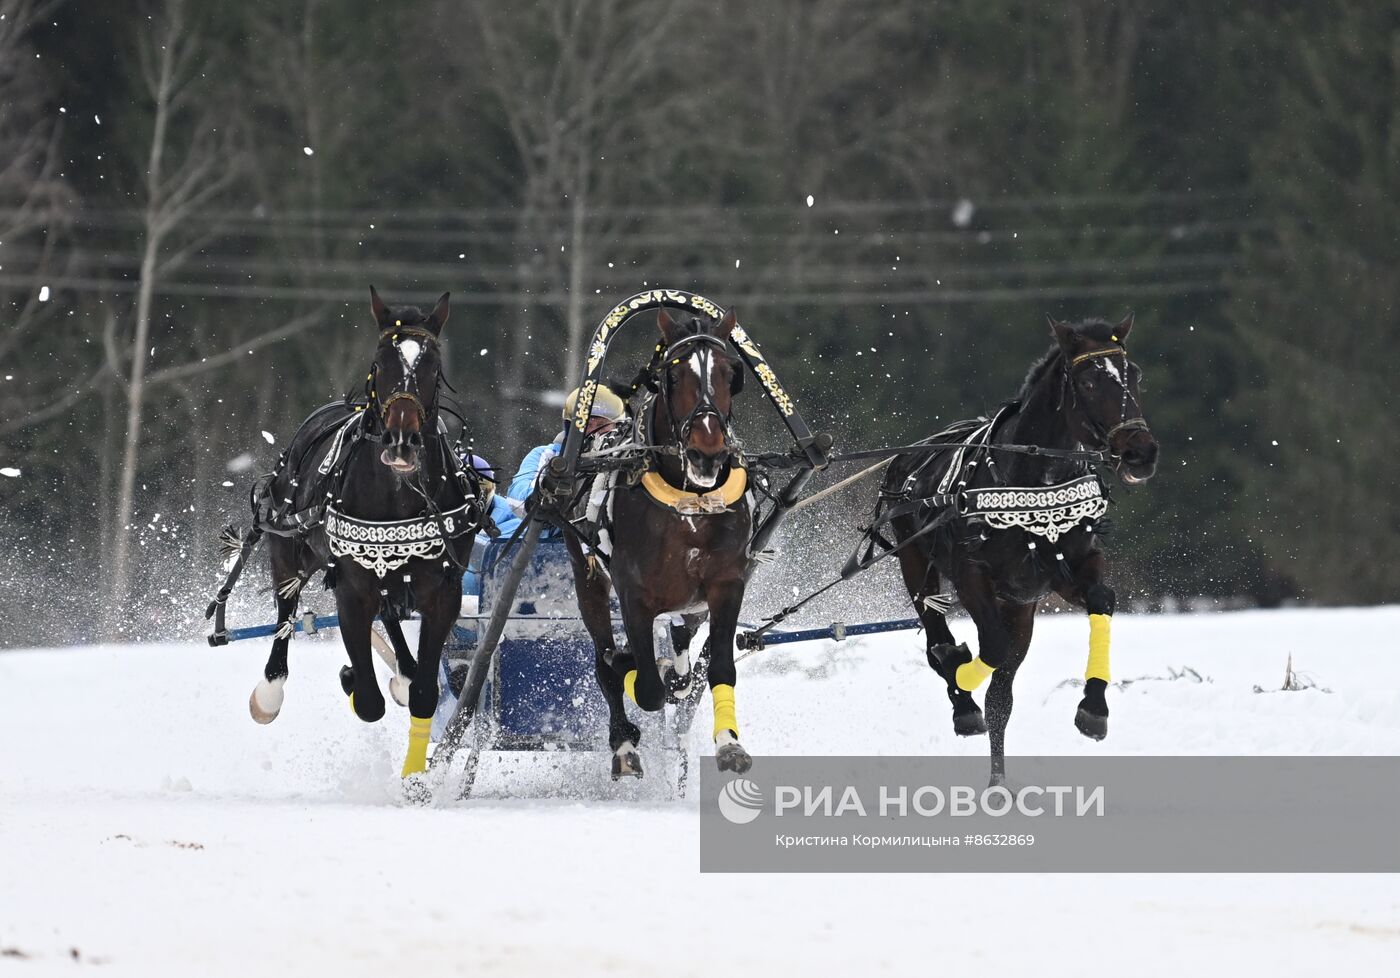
(972, 674)
(416, 760)
(629, 685)
(1098, 647)
(725, 717)
(352, 704)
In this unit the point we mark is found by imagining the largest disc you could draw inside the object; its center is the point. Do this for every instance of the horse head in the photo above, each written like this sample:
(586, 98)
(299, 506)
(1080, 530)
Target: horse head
(699, 380)
(1102, 388)
(402, 387)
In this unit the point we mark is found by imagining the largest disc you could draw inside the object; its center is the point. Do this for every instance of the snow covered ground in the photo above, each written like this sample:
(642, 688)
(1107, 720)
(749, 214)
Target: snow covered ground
(148, 827)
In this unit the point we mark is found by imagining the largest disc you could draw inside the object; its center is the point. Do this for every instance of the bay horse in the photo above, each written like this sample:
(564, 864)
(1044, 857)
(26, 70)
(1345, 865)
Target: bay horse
(680, 542)
(370, 491)
(1004, 552)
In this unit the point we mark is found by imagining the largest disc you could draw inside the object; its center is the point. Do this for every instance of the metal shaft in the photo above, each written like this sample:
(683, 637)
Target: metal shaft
(467, 703)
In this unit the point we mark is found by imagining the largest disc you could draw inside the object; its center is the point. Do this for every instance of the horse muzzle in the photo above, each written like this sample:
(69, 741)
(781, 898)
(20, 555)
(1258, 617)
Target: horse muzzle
(1137, 453)
(401, 451)
(703, 469)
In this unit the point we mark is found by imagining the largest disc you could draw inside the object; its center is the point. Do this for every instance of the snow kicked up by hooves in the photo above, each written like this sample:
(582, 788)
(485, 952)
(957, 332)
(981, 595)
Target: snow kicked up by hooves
(149, 827)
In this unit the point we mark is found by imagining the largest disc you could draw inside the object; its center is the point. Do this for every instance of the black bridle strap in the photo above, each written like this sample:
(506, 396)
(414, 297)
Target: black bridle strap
(1136, 423)
(704, 403)
(380, 410)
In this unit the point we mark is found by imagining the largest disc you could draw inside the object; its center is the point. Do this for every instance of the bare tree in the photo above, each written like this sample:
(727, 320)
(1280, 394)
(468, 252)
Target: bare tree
(33, 208)
(590, 102)
(181, 175)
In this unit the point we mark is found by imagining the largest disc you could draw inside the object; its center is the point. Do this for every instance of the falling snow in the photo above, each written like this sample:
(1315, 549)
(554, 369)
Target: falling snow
(267, 437)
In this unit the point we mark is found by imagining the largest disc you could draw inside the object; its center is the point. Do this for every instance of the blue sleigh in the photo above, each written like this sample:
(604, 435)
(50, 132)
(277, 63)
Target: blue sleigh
(541, 693)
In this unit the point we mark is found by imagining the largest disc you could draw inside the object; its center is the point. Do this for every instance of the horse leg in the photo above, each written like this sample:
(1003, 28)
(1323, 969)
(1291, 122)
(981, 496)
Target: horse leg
(724, 598)
(405, 668)
(921, 580)
(1019, 620)
(641, 680)
(287, 578)
(677, 675)
(978, 597)
(439, 599)
(1087, 590)
(591, 586)
(357, 607)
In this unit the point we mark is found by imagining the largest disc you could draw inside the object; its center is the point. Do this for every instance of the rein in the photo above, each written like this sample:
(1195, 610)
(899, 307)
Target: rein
(785, 460)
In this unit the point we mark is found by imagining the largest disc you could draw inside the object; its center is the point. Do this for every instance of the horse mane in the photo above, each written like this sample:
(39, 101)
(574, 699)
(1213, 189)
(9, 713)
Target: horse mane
(1098, 330)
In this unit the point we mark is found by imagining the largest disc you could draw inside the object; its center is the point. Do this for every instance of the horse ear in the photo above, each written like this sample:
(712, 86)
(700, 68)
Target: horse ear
(727, 324)
(667, 325)
(437, 319)
(1121, 331)
(1063, 333)
(382, 316)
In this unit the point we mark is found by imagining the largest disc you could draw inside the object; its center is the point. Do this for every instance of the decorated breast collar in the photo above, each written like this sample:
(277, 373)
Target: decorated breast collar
(1049, 511)
(385, 546)
(1046, 511)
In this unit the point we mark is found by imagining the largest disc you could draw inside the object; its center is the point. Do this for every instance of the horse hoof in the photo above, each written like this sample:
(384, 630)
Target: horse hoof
(967, 715)
(398, 689)
(368, 710)
(1092, 716)
(732, 757)
(266, 700)
(1091, 725)
(970, 723)
(626, 762)
(677, 684)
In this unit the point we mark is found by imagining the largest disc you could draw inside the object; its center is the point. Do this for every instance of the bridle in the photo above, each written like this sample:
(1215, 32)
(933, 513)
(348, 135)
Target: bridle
(409, 392)
(703, 346)
(1135, 423)
(378, 414)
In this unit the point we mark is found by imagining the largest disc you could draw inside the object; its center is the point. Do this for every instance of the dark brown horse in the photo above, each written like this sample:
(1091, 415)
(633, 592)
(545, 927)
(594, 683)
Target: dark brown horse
(680, 542)
(1004, 552)
(370, 491)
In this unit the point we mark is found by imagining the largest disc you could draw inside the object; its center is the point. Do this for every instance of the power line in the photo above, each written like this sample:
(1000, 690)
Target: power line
(764, 299)
(439, 215)
(849, 274)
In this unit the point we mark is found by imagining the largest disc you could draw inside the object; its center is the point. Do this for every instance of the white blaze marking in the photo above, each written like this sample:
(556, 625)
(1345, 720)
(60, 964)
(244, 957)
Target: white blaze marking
(1112, 369)
(409, 350)
(697, 368)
